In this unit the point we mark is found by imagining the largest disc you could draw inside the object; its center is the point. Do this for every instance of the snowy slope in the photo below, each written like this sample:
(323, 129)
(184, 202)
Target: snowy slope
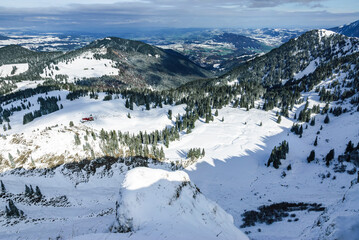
(9, 70)
(232, 173)
(309, 69)
(38, 140)
(82, 66)
(28, 84)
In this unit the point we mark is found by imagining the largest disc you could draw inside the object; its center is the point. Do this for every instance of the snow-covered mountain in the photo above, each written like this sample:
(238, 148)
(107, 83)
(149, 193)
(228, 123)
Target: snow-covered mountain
(350, 30)
(248, 153)
(296, 58)
(126, 62)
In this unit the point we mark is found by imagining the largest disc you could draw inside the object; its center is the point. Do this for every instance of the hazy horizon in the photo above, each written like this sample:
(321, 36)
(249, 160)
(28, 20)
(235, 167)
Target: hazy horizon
(122, 15)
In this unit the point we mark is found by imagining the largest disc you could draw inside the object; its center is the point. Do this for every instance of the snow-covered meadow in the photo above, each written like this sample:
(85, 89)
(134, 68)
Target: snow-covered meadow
(82, 66)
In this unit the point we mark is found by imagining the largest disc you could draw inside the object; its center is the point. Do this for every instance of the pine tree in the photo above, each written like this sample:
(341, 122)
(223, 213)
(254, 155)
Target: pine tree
(28, 192)
(170, 114)
(71, 124)
(12, 211)
(311, 156)
(316, 141)
(38, 192)
(3, 189)
(279, 119)
(32, 190)
(329, 157)
(216, 113)
(77, 139)
(312, 121)
(326, 120)
(208, 118)
(11, 160)
(131, 104)
(350, 147)
(162, 154)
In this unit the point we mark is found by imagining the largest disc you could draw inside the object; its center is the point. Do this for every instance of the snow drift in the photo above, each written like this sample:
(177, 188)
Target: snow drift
(166, 205)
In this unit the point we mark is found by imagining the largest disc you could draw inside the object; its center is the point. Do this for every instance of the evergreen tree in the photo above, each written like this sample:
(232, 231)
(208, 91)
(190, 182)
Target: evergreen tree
(277, 154)
(71, 124)
(311, 156)
(28, 191)
(131, 104)
(2, 186)
(350, 147)
(312, 121)
(279, 119)
(28, 117)
(326, 120)
(329, 157)
(12, 211)
(162, 154)
(77, 139)
(38, 192)
(316, 141)
(11, 160)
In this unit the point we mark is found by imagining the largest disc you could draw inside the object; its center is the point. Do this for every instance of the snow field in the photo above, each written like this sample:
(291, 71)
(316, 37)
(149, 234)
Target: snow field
(8, 70)
(83, 66)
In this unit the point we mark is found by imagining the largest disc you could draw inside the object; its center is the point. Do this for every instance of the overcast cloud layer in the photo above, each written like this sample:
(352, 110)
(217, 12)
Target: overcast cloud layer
(110, 15)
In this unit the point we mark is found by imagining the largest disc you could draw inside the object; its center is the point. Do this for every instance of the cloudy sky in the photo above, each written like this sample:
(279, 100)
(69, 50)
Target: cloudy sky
(109, 15)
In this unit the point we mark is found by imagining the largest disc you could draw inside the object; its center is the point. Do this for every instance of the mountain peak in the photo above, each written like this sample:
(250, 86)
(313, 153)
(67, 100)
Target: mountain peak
(325, 33)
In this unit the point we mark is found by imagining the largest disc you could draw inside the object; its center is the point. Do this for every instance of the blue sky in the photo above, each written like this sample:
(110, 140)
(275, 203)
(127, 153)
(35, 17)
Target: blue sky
(110, 15)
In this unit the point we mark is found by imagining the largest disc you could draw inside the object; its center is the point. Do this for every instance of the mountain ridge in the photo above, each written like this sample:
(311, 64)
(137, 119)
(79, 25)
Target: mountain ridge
(131, 62)
(350, 30)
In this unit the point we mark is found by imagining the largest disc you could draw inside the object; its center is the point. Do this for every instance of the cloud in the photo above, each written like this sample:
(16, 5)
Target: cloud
(274, 3)
(164, 13)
